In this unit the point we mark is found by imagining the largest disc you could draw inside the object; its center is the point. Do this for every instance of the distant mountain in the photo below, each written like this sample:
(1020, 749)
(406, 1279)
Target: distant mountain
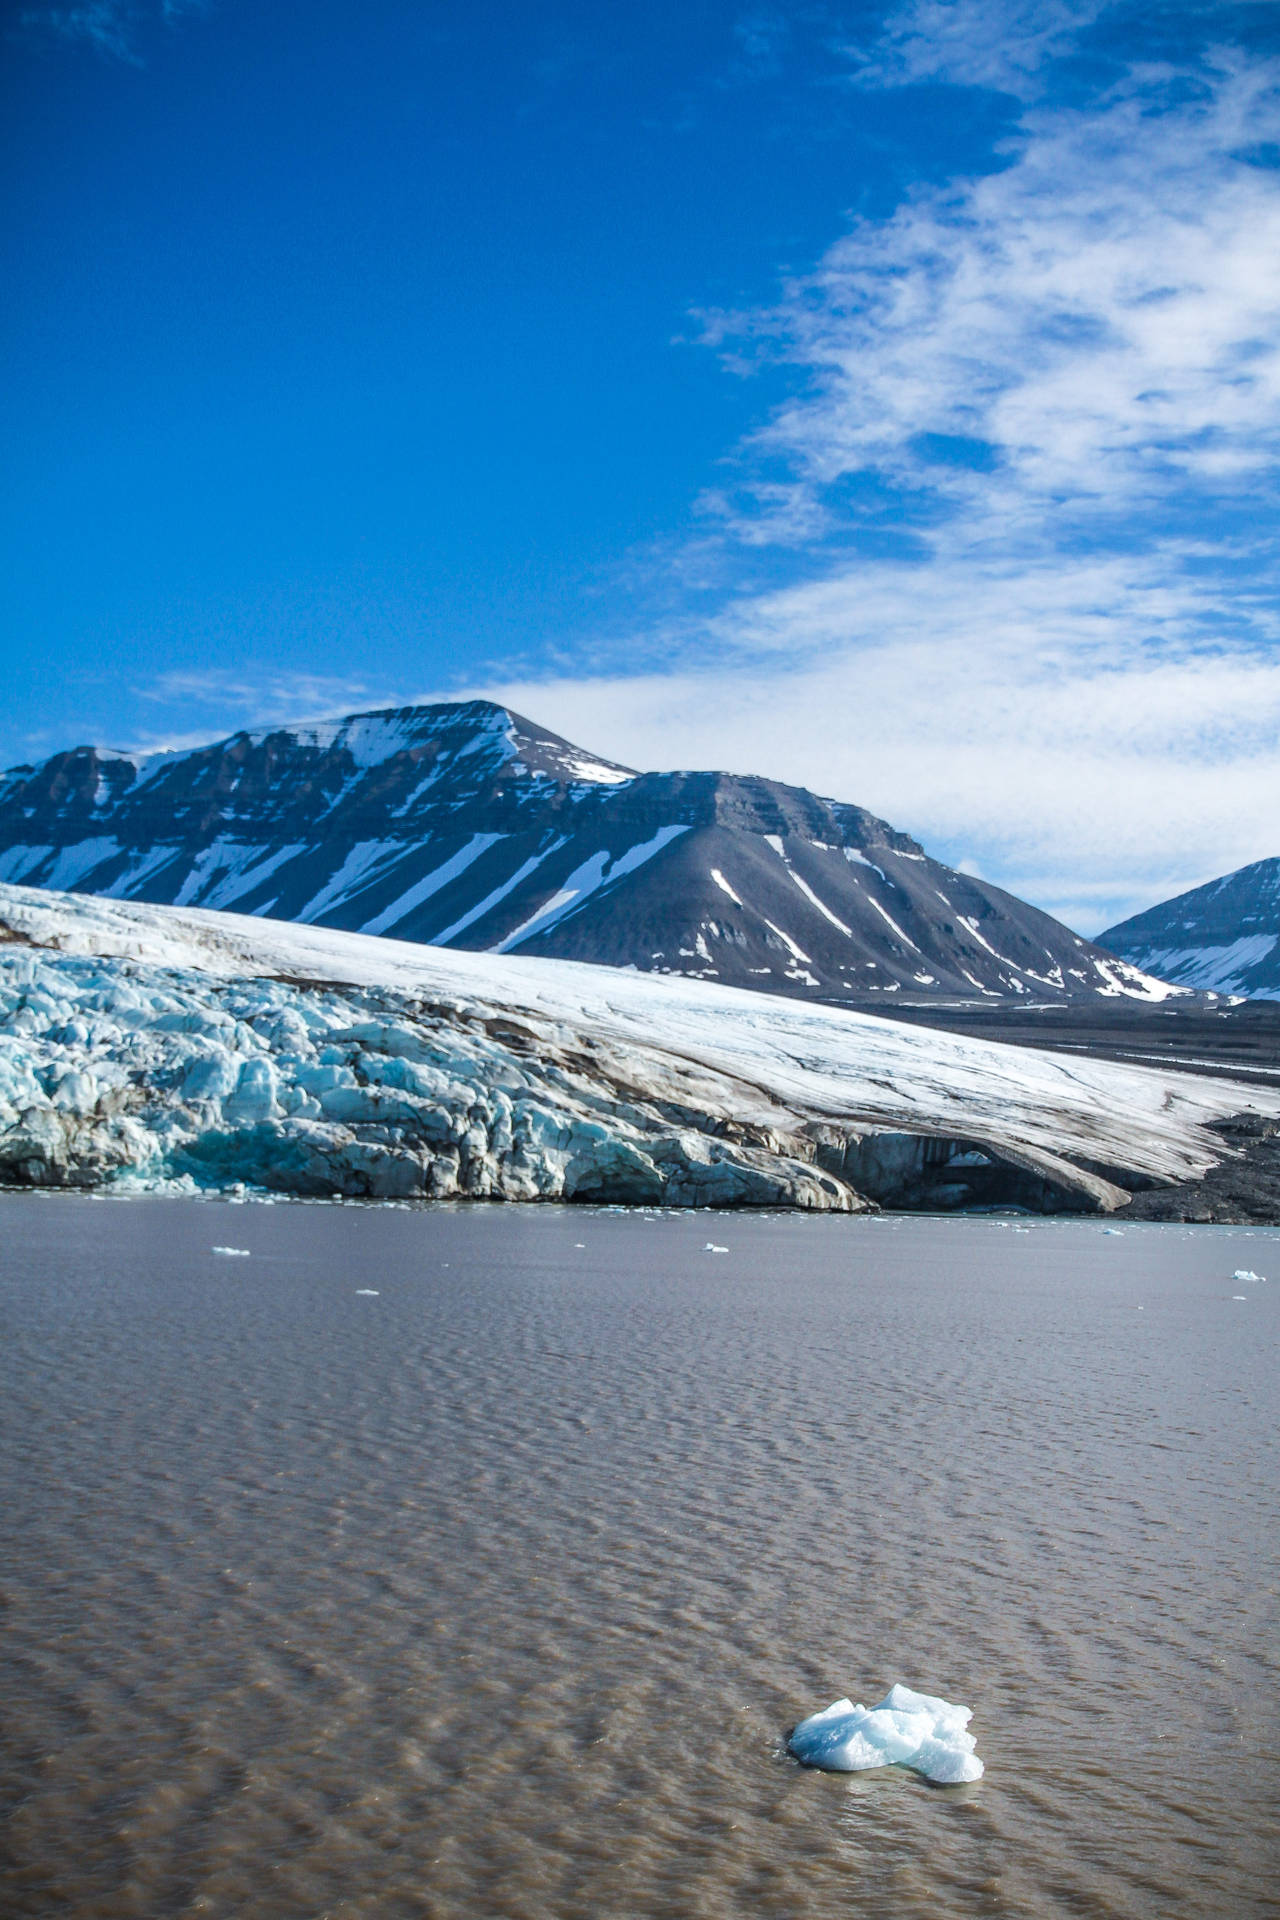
(464, 825)
(1224, 936)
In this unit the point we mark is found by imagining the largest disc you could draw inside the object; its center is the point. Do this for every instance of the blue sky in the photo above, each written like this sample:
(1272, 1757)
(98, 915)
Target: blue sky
(880, 397)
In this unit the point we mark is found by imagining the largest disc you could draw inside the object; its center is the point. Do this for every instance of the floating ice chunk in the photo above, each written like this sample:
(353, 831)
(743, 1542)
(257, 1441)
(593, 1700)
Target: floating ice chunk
(370, 1293)
(907, 1729)
(1118, 1231)
(233, 1253)
(1246, 1273)
(711, 1247)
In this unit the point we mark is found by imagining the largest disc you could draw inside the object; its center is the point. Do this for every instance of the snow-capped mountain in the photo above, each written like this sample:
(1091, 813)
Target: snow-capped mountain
(1223, 937)
(464, 825)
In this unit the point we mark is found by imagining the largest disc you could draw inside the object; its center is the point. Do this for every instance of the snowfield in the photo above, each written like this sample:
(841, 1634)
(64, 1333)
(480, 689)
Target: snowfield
(153, 1046)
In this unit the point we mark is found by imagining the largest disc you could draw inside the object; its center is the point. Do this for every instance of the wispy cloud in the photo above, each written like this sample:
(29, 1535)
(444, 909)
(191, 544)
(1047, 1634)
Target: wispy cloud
(1088, 334)
(1022, 514)
(1004, 44)
(193, 707)
(112, 27)
(1093, 785)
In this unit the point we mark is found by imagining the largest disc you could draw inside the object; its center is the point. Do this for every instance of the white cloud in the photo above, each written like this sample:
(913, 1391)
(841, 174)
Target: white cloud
(1063, 381)
(974, 43)
(201, 705)
(111, 26)
(1101, 320)
(1090, 779)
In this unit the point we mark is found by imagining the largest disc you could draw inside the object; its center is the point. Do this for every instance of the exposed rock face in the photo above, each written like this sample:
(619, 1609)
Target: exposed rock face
(466, 826)
(150, 1045)
(1223, 937)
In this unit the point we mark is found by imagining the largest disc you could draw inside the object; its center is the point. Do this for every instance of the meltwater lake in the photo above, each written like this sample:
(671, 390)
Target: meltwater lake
(493, 1590)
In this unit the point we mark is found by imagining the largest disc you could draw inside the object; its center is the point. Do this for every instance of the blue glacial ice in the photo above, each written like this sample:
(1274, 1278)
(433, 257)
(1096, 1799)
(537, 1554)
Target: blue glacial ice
(907, 1729)
(115, 1072)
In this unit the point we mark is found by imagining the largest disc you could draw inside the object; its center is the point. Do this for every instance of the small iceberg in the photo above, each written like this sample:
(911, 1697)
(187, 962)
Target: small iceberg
(1247, 1273)
(711, 1247)
(907, 1729)
(233, 1253)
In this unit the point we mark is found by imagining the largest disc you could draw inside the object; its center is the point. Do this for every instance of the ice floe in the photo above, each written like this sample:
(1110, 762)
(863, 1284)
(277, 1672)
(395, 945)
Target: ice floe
(232, 1253)
(907, 1729)
(1247, 1273)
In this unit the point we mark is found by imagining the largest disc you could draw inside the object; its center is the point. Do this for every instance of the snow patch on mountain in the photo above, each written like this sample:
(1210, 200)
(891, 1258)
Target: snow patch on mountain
(821, 905)
(600, 870)
(499, 893)
(1223, 969)
(432, 882)
(1223, 937)
(361, 863)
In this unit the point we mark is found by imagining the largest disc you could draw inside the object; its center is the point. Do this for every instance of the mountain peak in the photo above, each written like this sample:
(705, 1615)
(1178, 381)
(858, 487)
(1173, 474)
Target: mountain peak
(1223, 937)
(461, 823)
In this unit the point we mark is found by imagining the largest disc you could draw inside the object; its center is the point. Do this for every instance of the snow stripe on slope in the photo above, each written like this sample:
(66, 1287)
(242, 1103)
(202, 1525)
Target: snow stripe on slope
(499, 893)
(583, 882)
(432, 882)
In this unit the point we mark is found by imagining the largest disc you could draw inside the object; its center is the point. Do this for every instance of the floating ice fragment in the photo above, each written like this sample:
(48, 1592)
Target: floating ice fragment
(1246, 1273)
(233, 1253)
(1118, 1231)
(907, 1729)
(372, 1292)
(711, 1247)
(1239, 1296)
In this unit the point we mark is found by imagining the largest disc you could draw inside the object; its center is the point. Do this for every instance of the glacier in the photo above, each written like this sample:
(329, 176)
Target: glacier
(907, 1729)
(150, 1046)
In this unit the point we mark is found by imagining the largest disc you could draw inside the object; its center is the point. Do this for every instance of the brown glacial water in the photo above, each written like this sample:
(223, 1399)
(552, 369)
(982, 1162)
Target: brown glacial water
(494, 1592)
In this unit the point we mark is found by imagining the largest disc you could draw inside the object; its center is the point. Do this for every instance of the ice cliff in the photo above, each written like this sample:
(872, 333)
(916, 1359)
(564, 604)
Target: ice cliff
(150, 1045)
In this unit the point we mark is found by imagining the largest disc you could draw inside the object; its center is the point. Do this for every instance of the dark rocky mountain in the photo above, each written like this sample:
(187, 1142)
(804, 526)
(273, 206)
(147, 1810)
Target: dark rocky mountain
(464, 825)
(1223, 937)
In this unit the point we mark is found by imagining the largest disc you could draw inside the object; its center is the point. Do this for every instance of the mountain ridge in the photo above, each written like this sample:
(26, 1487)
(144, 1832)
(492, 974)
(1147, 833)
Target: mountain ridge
(464, 824)
(1222, 937)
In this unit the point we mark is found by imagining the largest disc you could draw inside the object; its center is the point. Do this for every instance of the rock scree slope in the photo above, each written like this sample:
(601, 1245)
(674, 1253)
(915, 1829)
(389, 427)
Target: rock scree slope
(466, 826)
